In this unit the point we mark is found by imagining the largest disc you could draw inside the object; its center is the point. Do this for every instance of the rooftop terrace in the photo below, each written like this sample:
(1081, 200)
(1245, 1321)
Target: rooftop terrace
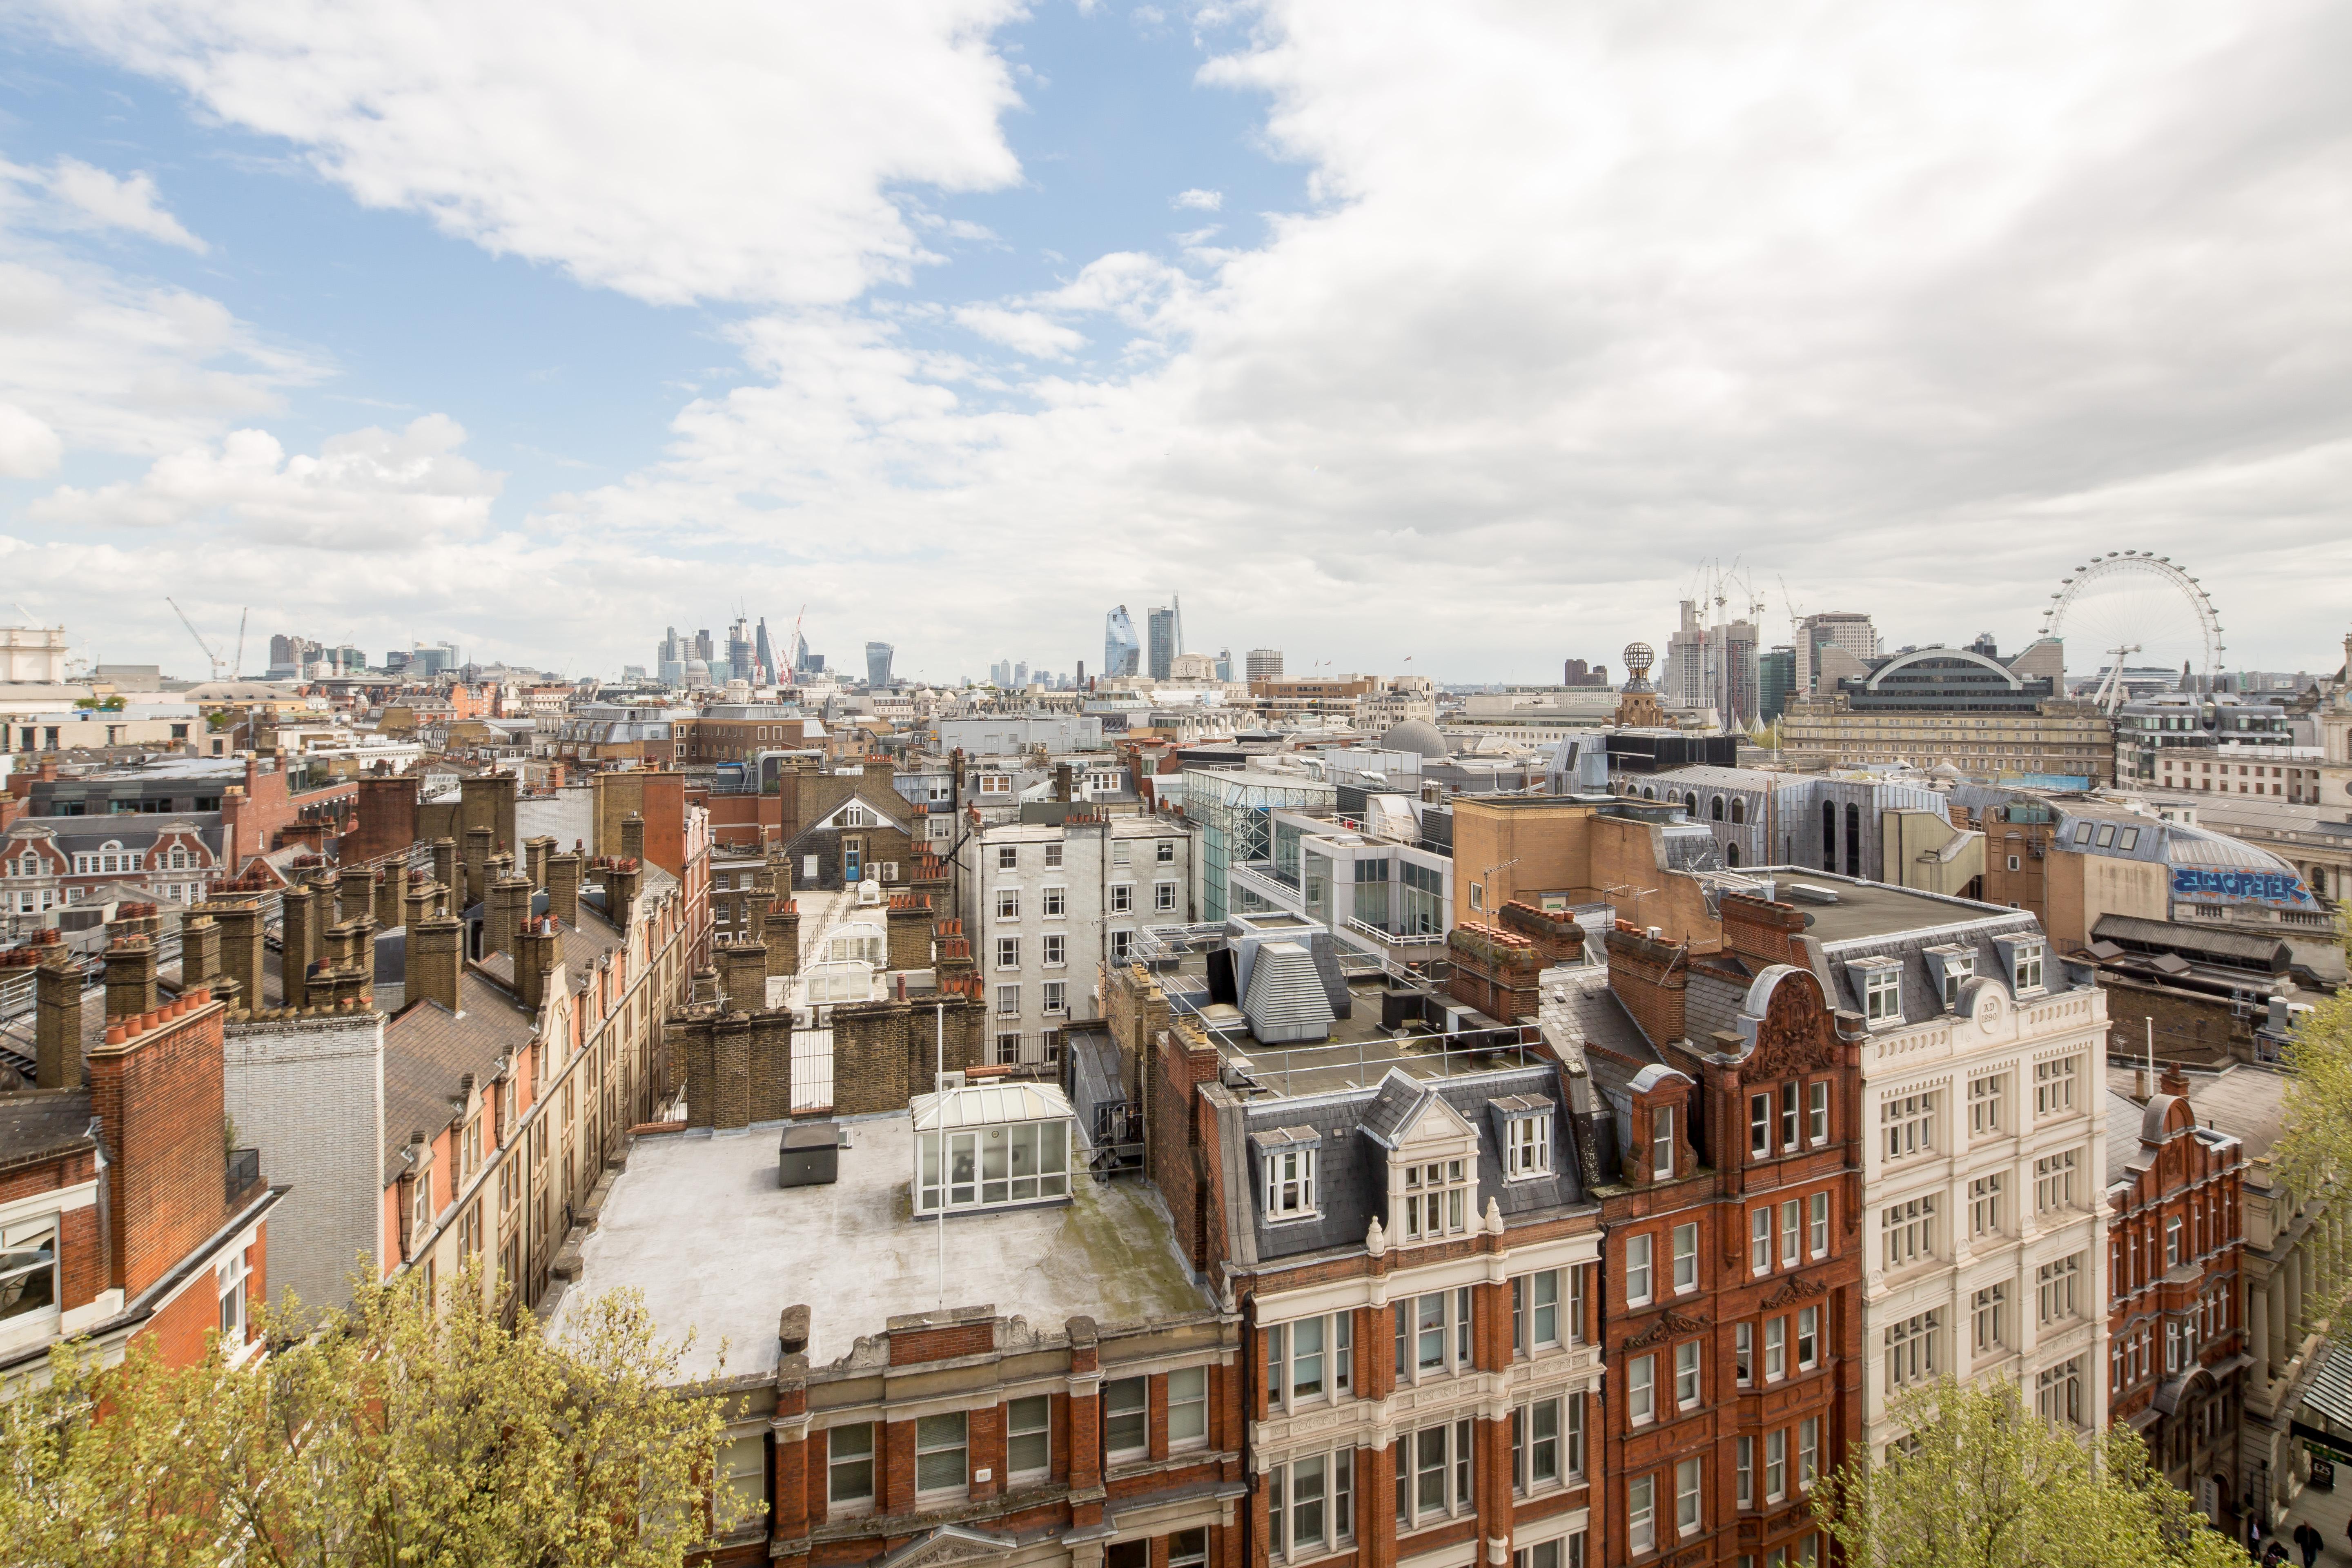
(1385, 1025)
(698, 1224)
(1865, 910)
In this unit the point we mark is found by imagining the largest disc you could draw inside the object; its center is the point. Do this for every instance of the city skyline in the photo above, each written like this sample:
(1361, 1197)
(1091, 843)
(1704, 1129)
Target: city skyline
(1089, 268)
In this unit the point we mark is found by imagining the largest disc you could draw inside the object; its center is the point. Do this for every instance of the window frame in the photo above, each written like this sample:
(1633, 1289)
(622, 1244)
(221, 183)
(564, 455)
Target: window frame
(935, 1448)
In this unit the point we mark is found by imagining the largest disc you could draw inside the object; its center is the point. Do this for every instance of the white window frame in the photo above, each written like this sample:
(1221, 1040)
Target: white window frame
(1640, 1278)
(934, 1446)
(1528, 1152)
(1684, 1244)
(1290, 1189)
(839, 1504)
(1642, 1390)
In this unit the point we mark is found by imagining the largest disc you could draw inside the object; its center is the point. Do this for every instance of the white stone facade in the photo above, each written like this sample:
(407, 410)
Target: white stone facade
(1046, 906)
(1955, 1099)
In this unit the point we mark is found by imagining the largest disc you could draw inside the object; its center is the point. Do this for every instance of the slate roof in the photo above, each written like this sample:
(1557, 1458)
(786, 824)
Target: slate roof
(1352, 1176)
(35, 1125)
(2124, 1118)
(426, 1049)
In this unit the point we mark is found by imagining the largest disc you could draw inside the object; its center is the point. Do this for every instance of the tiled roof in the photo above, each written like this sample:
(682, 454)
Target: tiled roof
(426, 1049)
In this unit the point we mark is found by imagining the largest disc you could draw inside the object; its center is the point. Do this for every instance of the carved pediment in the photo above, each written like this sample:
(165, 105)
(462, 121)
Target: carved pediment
(1667, 1325)
(949, 1543)
(1796, 1034)
(1799, 1288)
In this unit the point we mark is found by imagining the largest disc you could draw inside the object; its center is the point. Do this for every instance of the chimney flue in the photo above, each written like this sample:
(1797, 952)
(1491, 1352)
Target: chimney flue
(510, 904)
(564, 888)
(632, 836)
(433, 965)
(57, 1027)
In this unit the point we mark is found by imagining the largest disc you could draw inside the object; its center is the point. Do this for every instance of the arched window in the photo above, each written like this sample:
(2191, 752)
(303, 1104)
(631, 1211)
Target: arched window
(1852, 839)
(1690, 802)
(1649, 792)
(1714, 808)
(1738, 809)
(1828, 836)
(1731, 856)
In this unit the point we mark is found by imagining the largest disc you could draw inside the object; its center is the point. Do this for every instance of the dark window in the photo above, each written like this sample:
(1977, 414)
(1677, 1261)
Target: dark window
(1828, 836)
(1852, 839)
(1714, 808)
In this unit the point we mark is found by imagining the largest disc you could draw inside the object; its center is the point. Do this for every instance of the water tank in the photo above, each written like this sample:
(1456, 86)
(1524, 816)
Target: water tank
(810, 1155)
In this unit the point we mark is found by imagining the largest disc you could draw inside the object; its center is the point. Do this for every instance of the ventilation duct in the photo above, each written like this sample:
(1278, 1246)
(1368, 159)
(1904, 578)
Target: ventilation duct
(1287, 1003)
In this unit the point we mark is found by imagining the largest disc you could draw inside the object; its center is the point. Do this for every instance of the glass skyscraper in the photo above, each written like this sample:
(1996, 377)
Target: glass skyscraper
(1122, 652)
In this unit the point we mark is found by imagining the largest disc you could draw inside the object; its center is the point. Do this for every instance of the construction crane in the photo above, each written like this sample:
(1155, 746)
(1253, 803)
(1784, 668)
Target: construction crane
(238, 673)
(216, 661)
(793, 651)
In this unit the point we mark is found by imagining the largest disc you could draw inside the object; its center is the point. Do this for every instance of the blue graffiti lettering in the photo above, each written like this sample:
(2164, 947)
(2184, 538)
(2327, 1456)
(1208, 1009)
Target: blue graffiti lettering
(2259, 887)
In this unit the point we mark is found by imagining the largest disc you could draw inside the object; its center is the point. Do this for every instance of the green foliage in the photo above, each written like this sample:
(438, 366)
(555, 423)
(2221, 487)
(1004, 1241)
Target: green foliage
(1991, 1485)
(2313, 1153)
(98, 704)
(392, 1434)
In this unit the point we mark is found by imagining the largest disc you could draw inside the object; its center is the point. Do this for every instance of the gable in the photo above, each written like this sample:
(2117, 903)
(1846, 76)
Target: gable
(1433, 1122)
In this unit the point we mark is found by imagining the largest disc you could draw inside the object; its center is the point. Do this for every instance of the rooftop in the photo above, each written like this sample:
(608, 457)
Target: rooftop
(1386, 1025)
(1865, 910)
(699, 1226)
(2249, 1103)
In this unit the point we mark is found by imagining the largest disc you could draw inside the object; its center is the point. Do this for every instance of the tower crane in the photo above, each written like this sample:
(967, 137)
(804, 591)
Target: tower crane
(216, 661)
(238, 671)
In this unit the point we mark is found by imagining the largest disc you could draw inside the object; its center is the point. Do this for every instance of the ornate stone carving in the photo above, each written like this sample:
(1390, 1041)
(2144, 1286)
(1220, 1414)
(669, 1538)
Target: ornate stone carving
(1799, 1288)
(1668, 1324)
(1795, 1036)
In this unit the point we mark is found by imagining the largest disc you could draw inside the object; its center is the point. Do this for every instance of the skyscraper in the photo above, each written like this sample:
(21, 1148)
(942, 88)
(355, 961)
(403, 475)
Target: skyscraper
(1831, 629)
(1166, 633)
(1263, 664)
(1021, 676)
(1121, 651)
(877, 664)
(1224, 664)
(765, 651)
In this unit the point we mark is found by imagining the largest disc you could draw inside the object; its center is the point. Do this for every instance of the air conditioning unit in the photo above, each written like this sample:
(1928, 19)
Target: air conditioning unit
(951, 1080)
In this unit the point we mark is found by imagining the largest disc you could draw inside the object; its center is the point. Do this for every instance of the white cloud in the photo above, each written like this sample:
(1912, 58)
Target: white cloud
(29, 450)
(730, 151)
(371, 490)
(96, 199)
(1026, 332)
(1911, 306)
(1199, 200)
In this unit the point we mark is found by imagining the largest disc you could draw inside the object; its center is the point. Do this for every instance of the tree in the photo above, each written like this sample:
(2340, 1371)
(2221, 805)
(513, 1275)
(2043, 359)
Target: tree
(2313, 1154)
(394, 1432)
(1985, 1483)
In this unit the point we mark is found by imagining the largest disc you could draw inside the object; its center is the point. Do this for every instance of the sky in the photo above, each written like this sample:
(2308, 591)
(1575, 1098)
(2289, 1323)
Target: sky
(1449, 339)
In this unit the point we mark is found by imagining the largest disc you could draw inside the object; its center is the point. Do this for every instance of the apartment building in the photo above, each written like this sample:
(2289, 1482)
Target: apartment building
(1048, 905)
(1734, 1261)
(2176, 1323)
(1001, 1360)
(442, 1079)
(1981, 1194)
(123, 1214)
(1391, 1187)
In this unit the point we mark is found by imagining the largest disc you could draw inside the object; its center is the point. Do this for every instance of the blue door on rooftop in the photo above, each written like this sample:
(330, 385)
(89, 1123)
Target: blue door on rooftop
(849, 858)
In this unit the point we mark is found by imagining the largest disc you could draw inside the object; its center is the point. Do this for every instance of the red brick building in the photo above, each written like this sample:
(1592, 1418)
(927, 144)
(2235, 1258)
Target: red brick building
(122, 1211)
(1731, 1307)
(2176, 1341)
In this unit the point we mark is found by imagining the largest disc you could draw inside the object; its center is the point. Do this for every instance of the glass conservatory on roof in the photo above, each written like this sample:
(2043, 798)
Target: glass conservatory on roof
(1006, 1145)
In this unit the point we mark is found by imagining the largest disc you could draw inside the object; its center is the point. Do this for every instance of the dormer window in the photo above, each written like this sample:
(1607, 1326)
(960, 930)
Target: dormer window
(1290, 1160)
(2023, 955)
(1523, 1128)
(1661, 1141)
(1954, 967)
(1880, 981)
(1436, 1200)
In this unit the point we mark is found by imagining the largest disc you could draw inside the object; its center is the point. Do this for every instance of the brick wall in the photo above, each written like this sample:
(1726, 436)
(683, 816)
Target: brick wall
(1756, 927)
(386, 822)
(1494, 971)
(1650, 978)
(908, 1346)
(1558, 938)
(155, 1086)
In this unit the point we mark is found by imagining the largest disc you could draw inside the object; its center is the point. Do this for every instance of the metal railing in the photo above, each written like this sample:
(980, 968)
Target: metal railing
(1274, 1069)
(244, 1171)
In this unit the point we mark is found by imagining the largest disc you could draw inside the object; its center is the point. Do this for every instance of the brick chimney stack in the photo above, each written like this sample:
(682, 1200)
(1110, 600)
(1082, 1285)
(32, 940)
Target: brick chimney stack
(241, 948)
(478, 861)
(433, 962)
(509, 905)
(200, 945)
(298, 941)
(129, 976)
(56, 1023)
(155, 1085)
(535, 852)
(445, 866)
(355, 892)
(632, 837)
(420, 896)
(390, 881)
(564, 888)
(622, 879)
(540, 948)
(743, 975)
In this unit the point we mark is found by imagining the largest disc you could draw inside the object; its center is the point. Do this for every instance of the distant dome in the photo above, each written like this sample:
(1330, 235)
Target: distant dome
(697, 666)
(1415, 735)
